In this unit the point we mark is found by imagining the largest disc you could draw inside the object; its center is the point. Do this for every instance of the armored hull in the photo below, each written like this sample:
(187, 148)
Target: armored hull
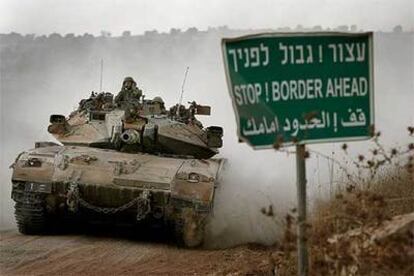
(82, 180)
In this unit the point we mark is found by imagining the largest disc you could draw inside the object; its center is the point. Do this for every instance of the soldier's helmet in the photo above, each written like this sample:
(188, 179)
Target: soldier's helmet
(158, 100)
(129, 79)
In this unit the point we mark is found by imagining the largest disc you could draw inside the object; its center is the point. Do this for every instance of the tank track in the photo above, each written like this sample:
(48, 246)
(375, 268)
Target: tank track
(189, 229)
(30, 214)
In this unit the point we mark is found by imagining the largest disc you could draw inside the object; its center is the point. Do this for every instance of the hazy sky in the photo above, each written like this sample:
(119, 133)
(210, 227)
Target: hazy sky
(80, 16)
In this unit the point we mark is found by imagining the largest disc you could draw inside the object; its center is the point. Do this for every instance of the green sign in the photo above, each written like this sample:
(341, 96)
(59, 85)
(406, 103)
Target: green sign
(301, 87)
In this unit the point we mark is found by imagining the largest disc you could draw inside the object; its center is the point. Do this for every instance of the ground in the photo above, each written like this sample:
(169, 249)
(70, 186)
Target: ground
(99, 254)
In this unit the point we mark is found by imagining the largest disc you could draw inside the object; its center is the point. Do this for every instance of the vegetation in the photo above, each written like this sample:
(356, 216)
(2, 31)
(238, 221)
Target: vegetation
(367, 228)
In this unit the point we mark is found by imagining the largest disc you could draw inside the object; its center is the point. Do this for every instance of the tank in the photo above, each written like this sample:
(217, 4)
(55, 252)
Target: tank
(134, 163)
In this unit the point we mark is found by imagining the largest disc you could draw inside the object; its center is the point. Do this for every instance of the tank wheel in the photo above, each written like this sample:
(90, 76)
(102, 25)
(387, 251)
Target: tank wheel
(30, 216)
(189, 228)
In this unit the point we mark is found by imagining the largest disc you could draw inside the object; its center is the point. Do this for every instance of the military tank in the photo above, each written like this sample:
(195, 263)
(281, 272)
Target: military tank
(122, 162)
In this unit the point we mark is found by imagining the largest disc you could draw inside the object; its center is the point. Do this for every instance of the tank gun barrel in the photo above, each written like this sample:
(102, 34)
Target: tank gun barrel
(130, 136)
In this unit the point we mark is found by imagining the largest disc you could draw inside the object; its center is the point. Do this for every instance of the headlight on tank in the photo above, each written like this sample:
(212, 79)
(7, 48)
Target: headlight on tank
(193, 178)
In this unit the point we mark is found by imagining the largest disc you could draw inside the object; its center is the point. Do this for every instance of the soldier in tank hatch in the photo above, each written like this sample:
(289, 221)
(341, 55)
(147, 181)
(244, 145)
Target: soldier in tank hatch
(129, 97)
(160, 105)
(129, 93)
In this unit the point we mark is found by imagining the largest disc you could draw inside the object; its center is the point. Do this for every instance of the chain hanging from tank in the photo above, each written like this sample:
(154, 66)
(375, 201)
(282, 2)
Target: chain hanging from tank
(74, 200)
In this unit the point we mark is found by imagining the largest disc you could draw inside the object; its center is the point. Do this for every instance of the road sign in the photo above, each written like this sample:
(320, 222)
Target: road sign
(301, 88)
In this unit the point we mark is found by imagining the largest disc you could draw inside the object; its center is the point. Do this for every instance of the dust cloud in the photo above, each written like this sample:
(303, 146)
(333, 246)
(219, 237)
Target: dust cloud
(45, 75)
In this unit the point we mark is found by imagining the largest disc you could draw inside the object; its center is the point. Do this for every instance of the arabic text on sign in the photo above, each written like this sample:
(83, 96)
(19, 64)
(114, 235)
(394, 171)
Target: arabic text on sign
(293, 126)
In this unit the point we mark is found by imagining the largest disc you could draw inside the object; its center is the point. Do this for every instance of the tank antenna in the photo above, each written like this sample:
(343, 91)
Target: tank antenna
(100, 82)
(182, 91)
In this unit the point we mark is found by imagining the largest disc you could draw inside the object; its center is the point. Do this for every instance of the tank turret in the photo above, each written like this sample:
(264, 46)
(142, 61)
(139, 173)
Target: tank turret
(141, 127)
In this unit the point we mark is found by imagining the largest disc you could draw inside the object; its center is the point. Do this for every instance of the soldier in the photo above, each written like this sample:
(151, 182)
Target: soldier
(129, 93)
(129, 98)
(159, 103)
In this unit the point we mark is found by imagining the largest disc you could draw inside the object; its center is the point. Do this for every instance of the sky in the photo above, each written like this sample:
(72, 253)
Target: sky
(80, 16)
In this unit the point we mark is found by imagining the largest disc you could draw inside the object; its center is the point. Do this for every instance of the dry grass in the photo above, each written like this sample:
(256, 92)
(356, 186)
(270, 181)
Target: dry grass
(382, 188)
(355, 209)
(365, 209)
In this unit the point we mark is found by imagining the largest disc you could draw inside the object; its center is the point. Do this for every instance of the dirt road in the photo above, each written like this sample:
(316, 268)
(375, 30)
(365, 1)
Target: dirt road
(80, 254)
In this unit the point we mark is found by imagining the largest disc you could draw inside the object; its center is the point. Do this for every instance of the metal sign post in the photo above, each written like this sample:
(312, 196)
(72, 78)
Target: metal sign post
(302, 225)
(301, 88)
